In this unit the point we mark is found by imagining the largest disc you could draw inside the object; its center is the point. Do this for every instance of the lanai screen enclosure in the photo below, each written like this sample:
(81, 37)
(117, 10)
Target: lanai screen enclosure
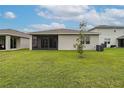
(49, 42)
(2, 42)
(13, 42)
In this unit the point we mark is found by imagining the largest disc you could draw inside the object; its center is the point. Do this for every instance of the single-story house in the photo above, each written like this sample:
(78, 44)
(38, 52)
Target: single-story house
(61, 39)
(110, 35)
(12, 39)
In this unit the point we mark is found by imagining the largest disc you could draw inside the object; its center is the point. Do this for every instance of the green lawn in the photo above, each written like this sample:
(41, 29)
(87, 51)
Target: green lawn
(24, 68)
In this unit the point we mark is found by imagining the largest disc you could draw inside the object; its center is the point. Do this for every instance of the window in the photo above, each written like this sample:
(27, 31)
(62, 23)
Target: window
(82, 42)
(87, 38)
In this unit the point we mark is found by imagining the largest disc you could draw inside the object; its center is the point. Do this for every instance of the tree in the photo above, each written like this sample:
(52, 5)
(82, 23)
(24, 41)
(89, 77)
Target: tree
(81, 39)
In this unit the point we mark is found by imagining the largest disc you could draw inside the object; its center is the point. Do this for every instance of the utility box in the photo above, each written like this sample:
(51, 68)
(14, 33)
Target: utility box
(99, 48)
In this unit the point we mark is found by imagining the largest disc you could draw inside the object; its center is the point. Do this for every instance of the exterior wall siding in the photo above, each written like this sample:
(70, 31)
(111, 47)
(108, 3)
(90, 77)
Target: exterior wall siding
(94, 40)
(24, 43)
(109, 33)
(18, 43)
(66, 42)
(7, 42)
(30, 42)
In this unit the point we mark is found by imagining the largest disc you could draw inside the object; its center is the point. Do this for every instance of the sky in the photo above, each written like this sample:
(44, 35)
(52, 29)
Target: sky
(28, 18)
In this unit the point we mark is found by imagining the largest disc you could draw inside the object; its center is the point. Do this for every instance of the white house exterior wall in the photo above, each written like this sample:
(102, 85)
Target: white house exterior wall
(18, 43)
(30, 42)
(7, 42)
(24, 43)
(66, 42)
(109, 33)
(94, 40)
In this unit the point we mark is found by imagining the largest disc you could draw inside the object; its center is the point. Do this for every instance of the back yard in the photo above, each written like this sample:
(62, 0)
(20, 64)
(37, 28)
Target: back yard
(38, 69)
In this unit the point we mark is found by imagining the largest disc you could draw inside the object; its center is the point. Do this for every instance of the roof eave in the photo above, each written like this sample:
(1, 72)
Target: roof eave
(61, 33)
(1, 34)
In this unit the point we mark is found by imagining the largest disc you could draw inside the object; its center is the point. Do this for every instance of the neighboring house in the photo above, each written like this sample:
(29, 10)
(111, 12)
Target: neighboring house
(12, 39)
(61, 39)
(110, 35)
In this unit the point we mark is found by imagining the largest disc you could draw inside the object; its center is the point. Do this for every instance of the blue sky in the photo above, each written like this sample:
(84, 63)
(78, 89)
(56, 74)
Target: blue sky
(34, 18)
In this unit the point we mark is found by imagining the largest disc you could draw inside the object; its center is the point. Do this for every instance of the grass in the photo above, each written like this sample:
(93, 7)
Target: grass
(62, 69)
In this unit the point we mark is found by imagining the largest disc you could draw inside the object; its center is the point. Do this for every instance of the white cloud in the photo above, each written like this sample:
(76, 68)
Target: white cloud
(65, 12)
(9, 15)
(41, 27)
(109, 16)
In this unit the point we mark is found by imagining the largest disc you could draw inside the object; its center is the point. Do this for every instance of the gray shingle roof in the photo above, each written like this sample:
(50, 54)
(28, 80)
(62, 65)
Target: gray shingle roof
(13, 33)
(60, 31)
(107, 27)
